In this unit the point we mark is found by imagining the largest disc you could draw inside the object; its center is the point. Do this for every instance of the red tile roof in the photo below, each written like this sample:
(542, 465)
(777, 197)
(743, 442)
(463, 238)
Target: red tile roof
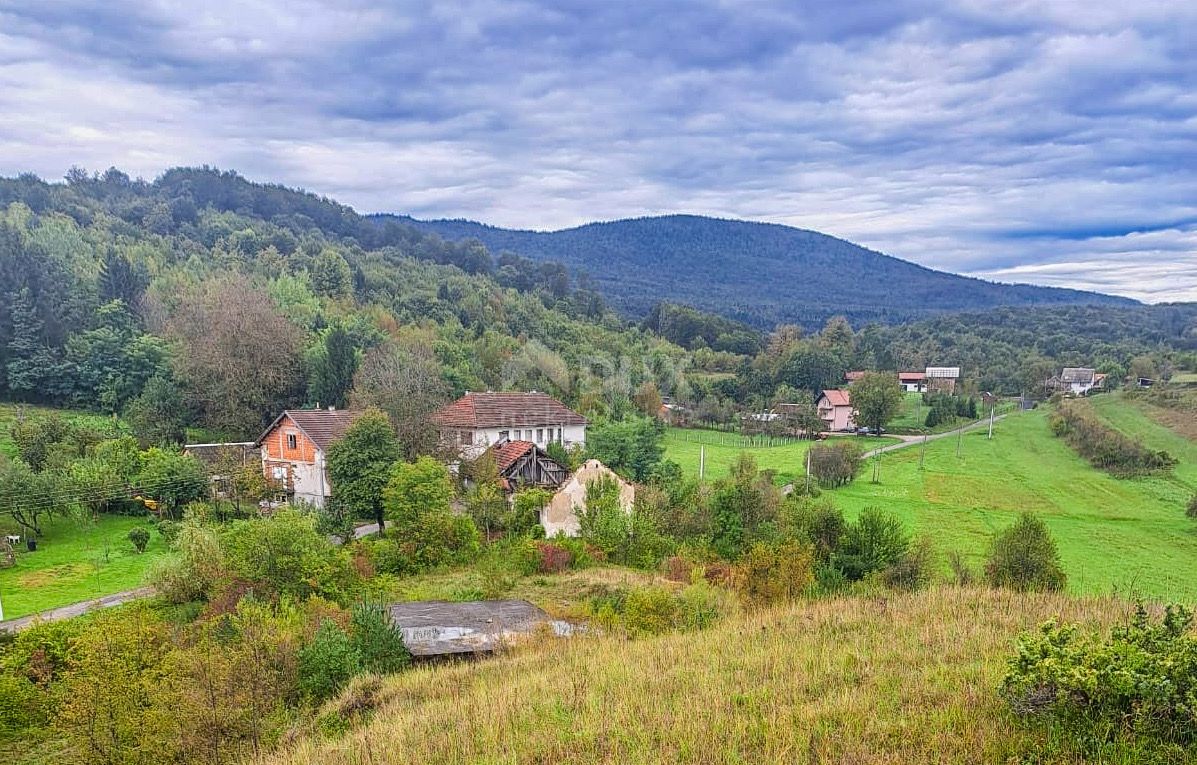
(508, 452)
(497, 410)
(321, 426)
(912, 376)
(838, 397)
(854, 375)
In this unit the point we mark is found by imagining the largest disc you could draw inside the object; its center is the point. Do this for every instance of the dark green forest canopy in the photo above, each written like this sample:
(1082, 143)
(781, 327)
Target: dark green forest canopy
(759, 273)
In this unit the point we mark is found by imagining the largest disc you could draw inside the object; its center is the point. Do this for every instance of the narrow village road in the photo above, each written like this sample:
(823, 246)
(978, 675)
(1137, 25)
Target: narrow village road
(913, 440)
(116, 598)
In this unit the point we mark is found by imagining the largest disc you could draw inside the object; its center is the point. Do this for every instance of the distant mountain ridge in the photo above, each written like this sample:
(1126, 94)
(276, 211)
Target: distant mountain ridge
(760, 273)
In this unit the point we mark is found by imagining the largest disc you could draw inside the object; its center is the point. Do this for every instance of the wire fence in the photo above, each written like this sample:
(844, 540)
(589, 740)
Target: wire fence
(735, 440)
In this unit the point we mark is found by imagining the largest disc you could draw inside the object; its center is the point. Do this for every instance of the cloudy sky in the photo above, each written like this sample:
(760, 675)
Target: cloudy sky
(1053, 143)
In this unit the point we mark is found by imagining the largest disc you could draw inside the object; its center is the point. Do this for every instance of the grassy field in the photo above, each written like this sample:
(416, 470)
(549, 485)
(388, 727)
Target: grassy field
(912, 415)
(76, 562)
(787, 458)
(1129, 535)
(898, 679)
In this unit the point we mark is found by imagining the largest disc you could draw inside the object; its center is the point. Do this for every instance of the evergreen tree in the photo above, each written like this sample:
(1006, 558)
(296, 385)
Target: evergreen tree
(331, 368)
(119, 280)
(32, 368)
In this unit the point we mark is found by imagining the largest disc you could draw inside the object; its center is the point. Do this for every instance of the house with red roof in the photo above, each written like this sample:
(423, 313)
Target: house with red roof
(913, 382)
(294, 447)
(835, 409)
(477, 421)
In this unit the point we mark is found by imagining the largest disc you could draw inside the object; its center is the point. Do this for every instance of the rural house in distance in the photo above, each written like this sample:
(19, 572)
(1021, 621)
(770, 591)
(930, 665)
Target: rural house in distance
(477, 421)
(942, 379)
(523, 464)
(835, 409)
(1078, 381)
(294, 449)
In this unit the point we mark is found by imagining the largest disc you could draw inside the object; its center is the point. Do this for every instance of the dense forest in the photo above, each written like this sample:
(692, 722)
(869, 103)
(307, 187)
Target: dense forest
(760, 273)
(201, 300)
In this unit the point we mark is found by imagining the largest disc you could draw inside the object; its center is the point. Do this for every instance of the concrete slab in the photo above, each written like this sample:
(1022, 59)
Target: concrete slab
(440, 628)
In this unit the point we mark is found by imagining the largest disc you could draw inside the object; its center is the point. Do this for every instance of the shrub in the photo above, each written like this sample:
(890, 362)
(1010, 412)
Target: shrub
(773, 573)
(876, 541)
(1191, 511)
(962, 574)
(436, 539)
(21, 705)
(913, 570)
(140, 537)
(834, 464)
(700, 605)
(168, 530)
(286, 556)
(1142, 680)
(1024, 557)
(650, 611)
(1106, 448)
(195, 570)
(377, 641)
(327, 662)
(820, 523)
(553, 558)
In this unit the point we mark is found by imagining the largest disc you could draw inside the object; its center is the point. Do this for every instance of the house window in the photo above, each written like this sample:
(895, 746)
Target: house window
(540, 435)
(291, 441)
(504, 434)
(279, 473)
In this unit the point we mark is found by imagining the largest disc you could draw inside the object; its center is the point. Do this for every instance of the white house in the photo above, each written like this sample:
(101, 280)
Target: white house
(478, 420)
(913, 382)
(1078, 380)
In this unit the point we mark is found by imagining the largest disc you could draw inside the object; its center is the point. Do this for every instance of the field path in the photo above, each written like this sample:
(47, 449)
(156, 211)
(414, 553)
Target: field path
(912, 440)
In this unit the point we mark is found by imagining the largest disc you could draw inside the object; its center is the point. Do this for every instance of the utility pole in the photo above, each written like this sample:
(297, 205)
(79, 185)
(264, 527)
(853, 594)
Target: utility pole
(808, 470)
(702, 460)
(992, 409)
(923, 451)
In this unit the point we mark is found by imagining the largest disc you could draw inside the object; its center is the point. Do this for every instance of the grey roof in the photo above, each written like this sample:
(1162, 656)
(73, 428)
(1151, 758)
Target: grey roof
(943, 373)
(1082, 375)
(437, 627)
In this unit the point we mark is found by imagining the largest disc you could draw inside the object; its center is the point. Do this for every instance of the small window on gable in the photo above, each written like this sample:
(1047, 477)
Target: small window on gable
(292, 442)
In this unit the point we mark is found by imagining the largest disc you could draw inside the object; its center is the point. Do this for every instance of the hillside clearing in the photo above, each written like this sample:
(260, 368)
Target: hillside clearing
(74, 562)
(1130, 535)
(786, 457)
(894, 679)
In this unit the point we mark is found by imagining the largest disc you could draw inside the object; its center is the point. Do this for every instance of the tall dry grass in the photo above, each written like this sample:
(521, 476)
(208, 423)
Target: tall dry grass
(894, 679)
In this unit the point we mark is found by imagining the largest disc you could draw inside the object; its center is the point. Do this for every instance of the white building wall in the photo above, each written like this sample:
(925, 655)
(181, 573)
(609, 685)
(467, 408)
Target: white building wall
(310, 481)
(484, 437)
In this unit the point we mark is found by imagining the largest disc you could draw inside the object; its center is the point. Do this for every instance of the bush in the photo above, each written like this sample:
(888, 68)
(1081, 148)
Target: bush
(962, 574)
(286, 556)
(140, 537)
(775, 573)
(377, 641)
(22, 705)
(1106, 448)
(1024, 557)
(436, 539)
(552, 558)
(1191, 511)
(834, 464)
(913, 570)
(1142, 680)
(650, 611)
(168, 530)
(194, 572)
(327, 662)
(875, 542)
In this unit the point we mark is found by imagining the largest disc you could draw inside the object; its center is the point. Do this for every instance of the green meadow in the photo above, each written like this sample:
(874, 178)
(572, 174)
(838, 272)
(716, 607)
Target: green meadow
(1129, 535)
(76, 561)
(786, 457)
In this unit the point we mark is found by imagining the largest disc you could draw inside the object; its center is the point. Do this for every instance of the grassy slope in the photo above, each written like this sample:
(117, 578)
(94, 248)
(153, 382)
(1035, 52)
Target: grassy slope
(72, 564)
(1126, 534)
(789, 459)
(900, 679)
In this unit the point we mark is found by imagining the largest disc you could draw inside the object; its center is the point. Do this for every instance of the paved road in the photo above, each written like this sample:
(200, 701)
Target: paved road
(76, 609)
(115, 599)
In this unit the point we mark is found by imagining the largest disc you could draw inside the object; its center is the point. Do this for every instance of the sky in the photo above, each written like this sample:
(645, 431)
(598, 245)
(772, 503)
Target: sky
(1049, 143)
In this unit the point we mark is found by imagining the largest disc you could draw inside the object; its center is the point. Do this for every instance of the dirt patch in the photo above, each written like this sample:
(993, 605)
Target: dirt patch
(55, 575)
(1179, 422)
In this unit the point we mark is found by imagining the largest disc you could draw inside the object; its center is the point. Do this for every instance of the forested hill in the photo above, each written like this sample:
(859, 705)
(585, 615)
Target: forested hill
(759, 273)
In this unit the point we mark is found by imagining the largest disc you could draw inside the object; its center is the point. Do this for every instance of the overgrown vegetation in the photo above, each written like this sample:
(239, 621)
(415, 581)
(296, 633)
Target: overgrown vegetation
(1104, 447)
